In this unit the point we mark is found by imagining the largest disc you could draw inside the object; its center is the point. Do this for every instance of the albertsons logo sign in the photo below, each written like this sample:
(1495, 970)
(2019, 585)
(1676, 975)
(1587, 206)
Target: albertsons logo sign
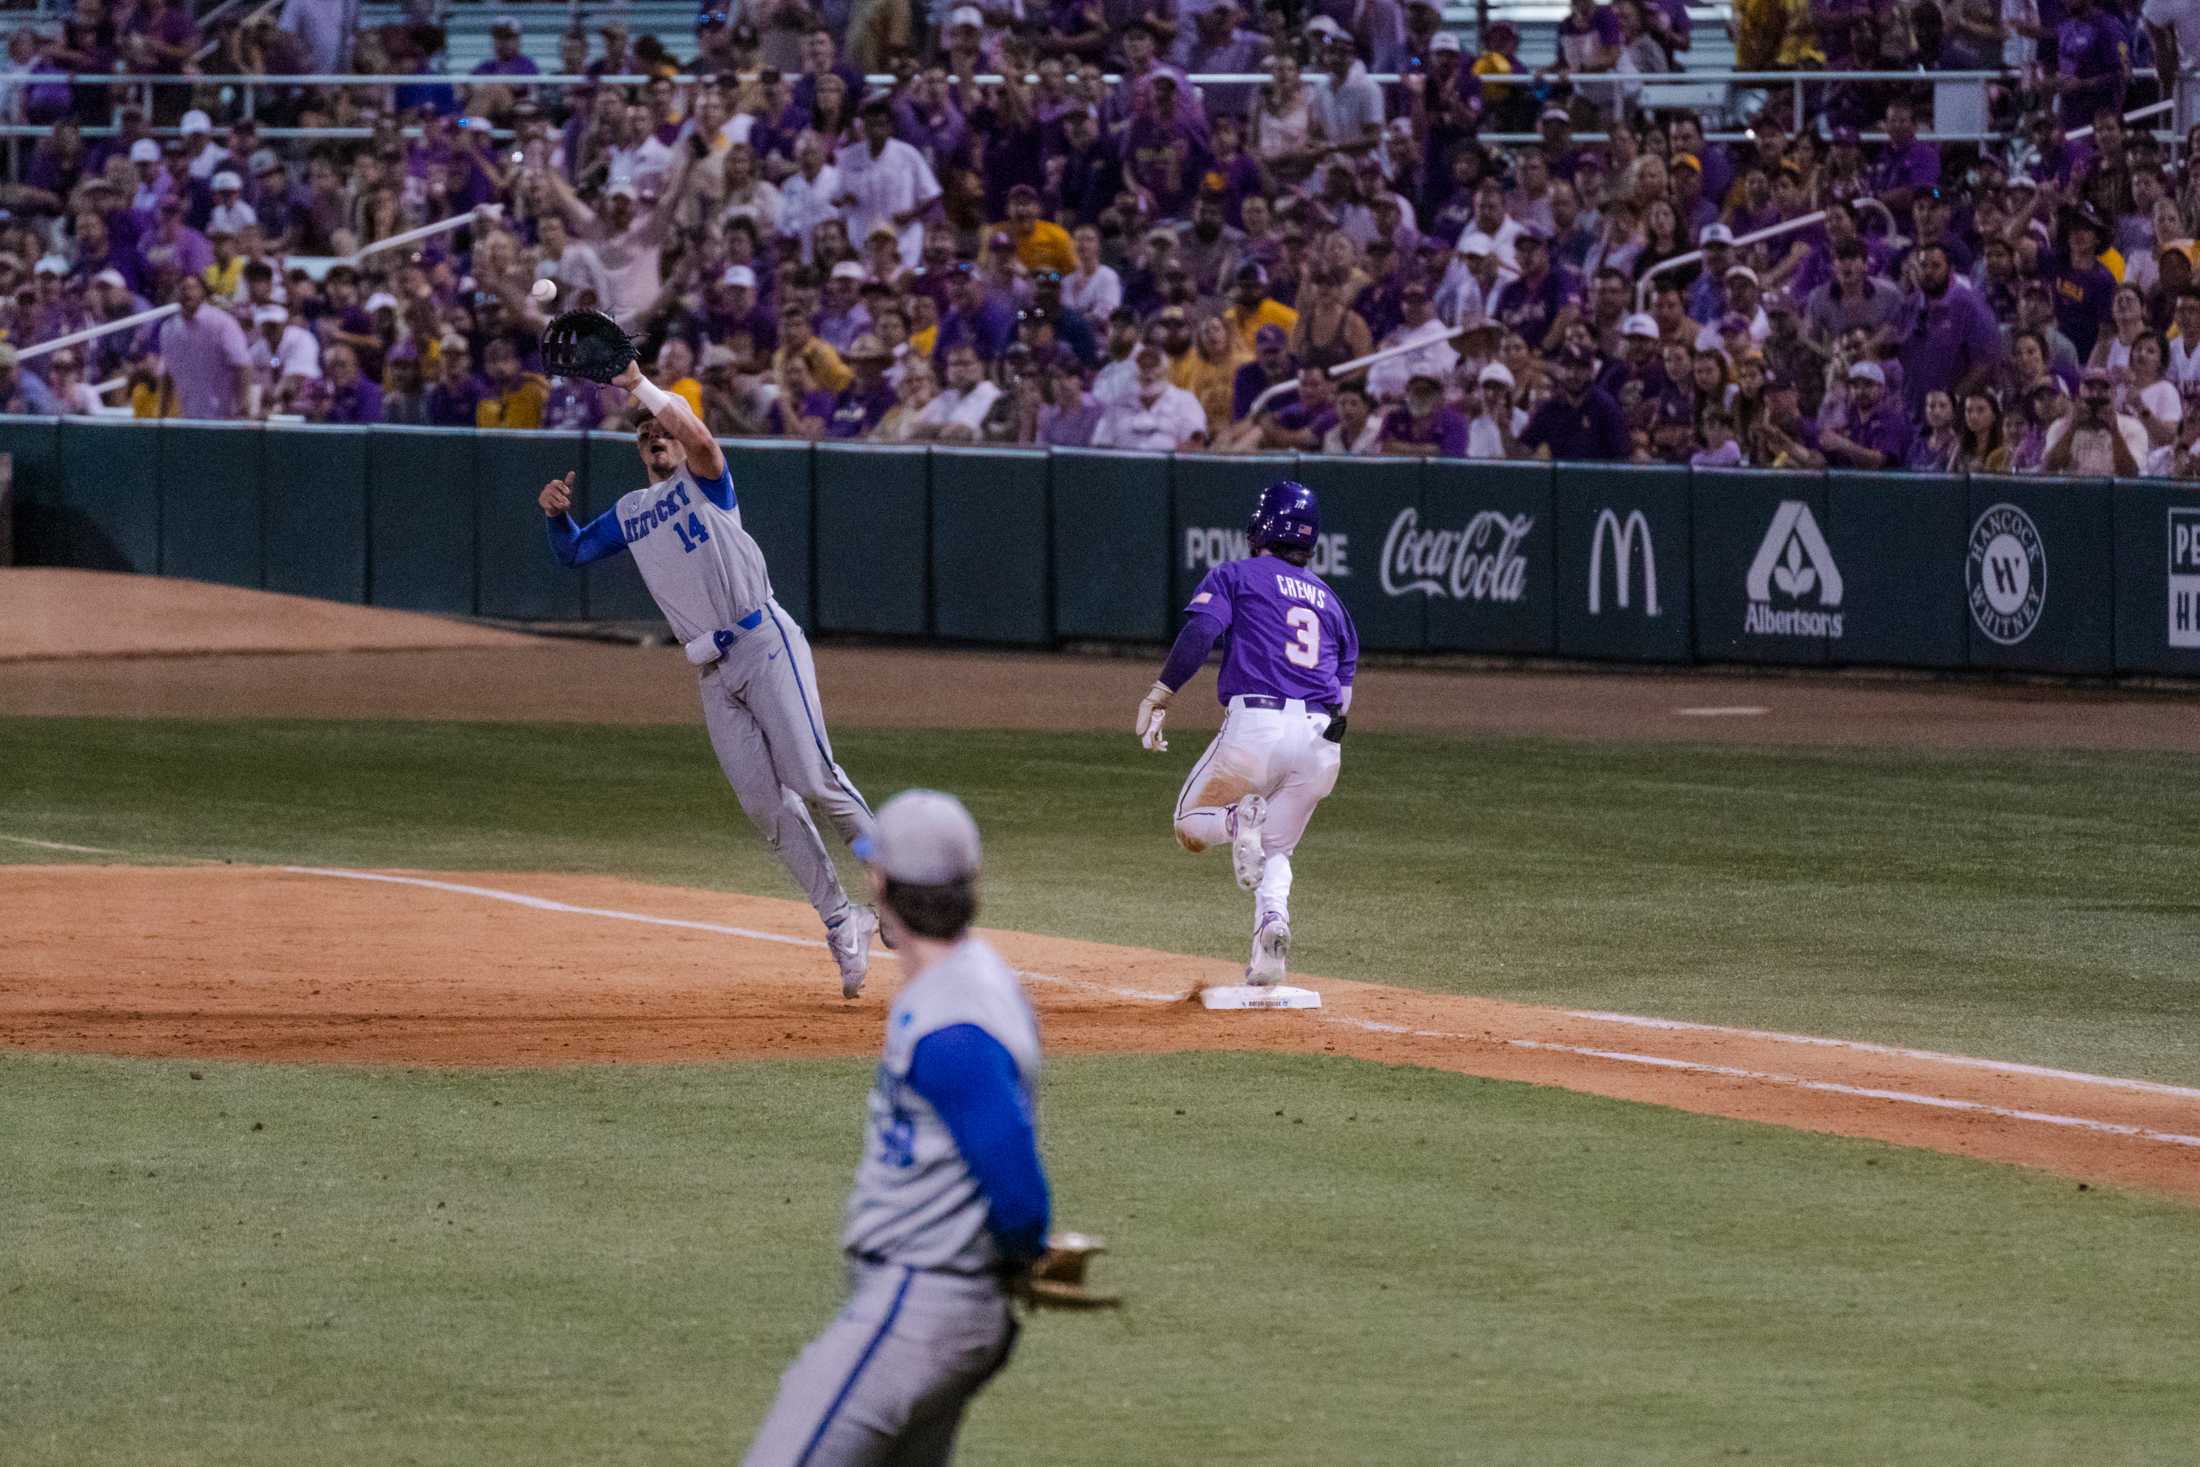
(1794, 586)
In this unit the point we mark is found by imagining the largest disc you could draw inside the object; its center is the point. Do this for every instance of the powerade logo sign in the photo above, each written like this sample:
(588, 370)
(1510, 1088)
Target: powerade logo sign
(1211, 545)
(1481, 562)
(2184, 578)
(1794, 586)
(1622, 536)
(2005, 574)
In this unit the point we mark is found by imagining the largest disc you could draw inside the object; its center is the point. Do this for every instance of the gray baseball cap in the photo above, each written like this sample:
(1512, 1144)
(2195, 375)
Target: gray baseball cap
(923, 838)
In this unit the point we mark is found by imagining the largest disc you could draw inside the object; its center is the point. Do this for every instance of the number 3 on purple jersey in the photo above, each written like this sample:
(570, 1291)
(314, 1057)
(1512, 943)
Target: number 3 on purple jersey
(1305, 648)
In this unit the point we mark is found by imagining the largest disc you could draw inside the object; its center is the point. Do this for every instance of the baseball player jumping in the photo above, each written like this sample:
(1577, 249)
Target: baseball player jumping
(950, 1205)
(1286, 682)
(759, 683)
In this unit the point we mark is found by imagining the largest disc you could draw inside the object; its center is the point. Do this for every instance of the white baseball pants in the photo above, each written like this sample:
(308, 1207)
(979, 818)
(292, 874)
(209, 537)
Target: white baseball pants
(1278, 754)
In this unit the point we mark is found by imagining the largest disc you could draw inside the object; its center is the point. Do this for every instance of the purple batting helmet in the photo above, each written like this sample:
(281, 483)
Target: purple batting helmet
(1288, 518)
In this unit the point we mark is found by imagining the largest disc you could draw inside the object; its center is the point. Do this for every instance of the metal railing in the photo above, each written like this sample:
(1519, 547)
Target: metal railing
(307, 262)
(1786, 226)
(1357, 365)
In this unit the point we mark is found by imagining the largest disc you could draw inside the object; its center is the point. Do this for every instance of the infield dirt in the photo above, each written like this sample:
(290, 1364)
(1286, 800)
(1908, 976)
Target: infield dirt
(270, 964)
(255, 963)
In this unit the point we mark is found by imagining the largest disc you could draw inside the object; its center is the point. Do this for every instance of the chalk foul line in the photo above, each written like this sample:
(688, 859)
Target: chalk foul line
(1834, 1087)
(1862, 1046)
(1831, 1087)
(1900, 1097)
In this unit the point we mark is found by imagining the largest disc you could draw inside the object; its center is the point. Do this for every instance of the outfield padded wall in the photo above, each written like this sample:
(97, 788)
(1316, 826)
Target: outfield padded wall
(1019, 548)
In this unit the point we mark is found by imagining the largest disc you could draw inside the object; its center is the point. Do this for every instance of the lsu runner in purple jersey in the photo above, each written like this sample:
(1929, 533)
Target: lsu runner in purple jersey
(1286, 682)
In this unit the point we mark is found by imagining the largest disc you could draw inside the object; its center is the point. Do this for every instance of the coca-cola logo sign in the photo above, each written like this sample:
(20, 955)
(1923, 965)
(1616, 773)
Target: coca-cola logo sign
(1481, 562)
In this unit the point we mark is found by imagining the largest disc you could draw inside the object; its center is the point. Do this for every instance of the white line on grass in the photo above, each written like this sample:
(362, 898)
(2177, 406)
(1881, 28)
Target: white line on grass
(2149, 1087)
(1834, 1087)
(1749, 711)
(56, 845)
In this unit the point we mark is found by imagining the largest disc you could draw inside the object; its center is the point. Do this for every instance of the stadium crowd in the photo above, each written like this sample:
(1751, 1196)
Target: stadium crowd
(1143, 263)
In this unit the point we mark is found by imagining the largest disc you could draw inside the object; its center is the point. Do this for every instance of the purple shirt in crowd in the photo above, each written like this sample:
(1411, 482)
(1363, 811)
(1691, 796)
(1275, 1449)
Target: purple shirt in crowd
(207, 357)
(1944, 341)
(1445, 429)
(1290, 636)
(856, 412)
(361, 402)
(1590, 431)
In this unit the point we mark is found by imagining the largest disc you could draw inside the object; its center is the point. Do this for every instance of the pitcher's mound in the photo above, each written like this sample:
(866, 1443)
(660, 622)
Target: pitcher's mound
(48, 613)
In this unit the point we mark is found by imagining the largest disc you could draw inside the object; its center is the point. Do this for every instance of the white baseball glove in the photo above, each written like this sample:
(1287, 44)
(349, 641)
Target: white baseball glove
(1151, 712)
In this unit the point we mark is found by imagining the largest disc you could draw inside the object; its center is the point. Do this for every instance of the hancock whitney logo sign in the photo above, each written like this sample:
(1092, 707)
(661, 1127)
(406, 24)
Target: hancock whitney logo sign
(1794, 586)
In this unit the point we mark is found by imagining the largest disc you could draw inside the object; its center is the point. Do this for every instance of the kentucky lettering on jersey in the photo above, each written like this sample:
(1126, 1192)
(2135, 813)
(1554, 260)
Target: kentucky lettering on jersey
(1290, 635)
(696, 558)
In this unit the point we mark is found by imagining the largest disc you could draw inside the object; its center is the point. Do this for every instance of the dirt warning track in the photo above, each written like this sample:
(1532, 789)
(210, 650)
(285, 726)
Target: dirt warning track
(321, 965)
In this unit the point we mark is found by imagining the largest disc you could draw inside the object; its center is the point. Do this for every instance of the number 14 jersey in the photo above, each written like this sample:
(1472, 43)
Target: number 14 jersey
(1289, 634)
(700, 565)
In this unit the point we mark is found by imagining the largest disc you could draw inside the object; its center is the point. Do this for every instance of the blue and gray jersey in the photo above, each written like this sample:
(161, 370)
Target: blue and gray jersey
(950, 1177)
(686, 539)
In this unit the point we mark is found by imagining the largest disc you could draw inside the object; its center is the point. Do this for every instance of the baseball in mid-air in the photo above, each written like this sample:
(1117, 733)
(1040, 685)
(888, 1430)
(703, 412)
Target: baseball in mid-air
(544, 292)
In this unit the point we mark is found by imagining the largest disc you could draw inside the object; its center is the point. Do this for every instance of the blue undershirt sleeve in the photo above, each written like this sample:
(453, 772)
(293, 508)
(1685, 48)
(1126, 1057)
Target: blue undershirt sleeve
(719, 490)
(1193, 644)
(969, 1078)
(574, 546)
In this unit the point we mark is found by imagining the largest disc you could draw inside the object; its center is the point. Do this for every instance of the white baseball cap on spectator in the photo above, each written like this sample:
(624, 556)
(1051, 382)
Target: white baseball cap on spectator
(968, 15)
(621, 189)
(145, 150)
(1743, 271)
(1641, 324)
(1445, 41)
(50, 265)
(848, 270)
(269, 315)
(1868, 372)
(1496, 372)
(739, 275)
(1322, 25)
(195, 121)
(381, 300)
(1715, 234)
(110, 277)
(227, 180)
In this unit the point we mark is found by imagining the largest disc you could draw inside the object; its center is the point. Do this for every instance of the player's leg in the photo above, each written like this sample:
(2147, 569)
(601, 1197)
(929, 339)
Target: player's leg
(777, 812)
(887, 1380)
(1231, 768)
(1309, 773)
(781, 691)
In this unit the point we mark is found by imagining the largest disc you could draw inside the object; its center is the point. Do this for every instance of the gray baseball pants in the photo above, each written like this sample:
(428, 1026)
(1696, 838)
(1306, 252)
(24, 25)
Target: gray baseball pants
(887, 1380)
(760, 704)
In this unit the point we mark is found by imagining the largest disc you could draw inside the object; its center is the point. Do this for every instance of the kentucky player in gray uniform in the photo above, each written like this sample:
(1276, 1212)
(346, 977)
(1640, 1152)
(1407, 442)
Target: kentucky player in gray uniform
(759, 683)
(1287, 681)
(950, 1205)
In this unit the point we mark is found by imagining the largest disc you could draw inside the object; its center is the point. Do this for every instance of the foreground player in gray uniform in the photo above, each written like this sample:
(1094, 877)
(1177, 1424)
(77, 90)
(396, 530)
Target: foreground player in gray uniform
(950, 1203)
(759, 684)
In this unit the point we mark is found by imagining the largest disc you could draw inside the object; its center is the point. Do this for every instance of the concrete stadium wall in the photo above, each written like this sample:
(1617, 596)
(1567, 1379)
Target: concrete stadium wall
(1019, 548)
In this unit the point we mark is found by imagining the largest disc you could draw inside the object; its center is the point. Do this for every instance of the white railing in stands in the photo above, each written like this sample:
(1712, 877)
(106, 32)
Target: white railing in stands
(160, 313)
(1785, 226)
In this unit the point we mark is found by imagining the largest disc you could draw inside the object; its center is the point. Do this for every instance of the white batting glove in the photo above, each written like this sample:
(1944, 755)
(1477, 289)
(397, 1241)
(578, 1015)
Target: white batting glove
(1151, 712)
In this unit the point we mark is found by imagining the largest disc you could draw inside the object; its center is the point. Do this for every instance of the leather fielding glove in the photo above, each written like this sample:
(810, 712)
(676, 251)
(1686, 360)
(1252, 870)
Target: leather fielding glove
(1057, 1279)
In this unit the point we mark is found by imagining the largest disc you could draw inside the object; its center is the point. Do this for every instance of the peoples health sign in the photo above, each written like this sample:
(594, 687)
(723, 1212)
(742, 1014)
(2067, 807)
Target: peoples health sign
(2184, 578)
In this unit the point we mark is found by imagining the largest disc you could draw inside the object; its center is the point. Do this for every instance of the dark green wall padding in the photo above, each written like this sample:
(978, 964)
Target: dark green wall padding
(1017, 548)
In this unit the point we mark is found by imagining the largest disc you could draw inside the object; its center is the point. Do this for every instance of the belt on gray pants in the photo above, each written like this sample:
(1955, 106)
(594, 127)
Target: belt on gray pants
(1000, 1272)
(710, 646)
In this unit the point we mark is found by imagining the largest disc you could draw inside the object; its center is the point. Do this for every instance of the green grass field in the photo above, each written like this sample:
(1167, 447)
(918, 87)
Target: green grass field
(612, 1264)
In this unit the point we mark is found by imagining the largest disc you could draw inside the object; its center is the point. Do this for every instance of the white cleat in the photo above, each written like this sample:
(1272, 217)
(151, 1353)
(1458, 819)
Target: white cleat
(850, 941)
(1246, 856)
(1271, 946)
